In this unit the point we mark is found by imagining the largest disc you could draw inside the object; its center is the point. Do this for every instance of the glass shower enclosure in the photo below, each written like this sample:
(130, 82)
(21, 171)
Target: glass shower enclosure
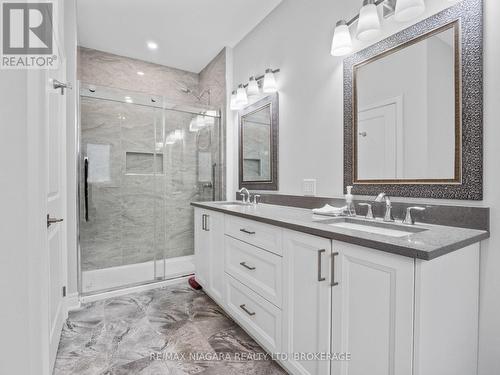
(142, 161)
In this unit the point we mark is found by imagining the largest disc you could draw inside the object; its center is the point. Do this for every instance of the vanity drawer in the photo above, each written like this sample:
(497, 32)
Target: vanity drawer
(258, 269)
(265, 236)
(259, 317)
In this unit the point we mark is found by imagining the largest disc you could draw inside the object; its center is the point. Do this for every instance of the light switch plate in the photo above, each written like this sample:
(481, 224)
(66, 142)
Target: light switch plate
(309, 187)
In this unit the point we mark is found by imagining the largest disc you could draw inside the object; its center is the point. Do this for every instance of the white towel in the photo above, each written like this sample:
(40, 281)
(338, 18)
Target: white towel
(329, 210)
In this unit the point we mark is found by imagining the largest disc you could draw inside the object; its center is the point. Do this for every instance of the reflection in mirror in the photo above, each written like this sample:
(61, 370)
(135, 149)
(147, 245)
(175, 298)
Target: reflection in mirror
(407, 112)
(256, 132)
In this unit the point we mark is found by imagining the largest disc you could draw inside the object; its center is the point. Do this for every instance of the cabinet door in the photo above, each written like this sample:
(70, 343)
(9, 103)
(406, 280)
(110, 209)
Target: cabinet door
(372, 311)
(215, 230)
(307, 301)
(201, 247)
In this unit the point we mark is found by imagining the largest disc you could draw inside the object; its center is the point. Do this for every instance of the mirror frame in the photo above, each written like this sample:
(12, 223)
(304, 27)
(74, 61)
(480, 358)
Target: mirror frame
(272, 184)
(466, 18)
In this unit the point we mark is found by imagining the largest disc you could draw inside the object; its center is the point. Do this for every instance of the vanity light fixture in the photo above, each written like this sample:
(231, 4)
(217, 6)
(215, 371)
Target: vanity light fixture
(369, 24)
(253, 86)
(369, 21)
(241, 96)
(406, 10)
(342, 42)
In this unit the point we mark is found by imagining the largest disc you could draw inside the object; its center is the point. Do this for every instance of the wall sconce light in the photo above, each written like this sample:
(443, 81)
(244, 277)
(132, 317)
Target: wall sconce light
(269, 85)
(234, 106)
(241, 96)
(342, 42)
(253, 86)
(406, 10)
(369, 21)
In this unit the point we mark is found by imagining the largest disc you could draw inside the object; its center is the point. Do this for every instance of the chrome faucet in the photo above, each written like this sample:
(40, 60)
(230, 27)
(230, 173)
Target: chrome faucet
(246, 195)
(388, 206)
(409, 219)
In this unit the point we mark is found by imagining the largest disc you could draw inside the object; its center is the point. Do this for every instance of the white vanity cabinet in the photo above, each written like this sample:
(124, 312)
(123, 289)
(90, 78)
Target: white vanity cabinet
(209, 252)
(301, 294)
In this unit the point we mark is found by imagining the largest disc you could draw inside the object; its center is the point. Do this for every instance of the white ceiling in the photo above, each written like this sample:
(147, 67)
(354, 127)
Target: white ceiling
(189, 33)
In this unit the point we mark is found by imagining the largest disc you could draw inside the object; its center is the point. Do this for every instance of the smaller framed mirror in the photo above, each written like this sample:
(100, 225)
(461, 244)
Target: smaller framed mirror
(258, 144)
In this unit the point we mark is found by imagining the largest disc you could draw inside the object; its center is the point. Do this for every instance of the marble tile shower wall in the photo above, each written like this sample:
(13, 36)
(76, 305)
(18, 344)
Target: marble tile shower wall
(136, 218)
(105, 69)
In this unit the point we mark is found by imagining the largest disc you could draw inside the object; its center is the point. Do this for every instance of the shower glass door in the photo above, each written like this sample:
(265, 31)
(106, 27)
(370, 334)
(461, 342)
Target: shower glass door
(142, 162)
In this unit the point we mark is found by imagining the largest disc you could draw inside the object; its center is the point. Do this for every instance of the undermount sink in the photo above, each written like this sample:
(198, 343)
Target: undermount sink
(375, 227)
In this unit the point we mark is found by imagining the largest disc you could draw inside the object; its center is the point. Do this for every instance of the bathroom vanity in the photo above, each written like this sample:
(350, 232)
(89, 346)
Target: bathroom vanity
(394, 298)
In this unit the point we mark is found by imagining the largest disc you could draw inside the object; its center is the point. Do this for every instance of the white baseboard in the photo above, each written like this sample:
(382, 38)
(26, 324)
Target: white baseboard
(115, 277)
(72, 302)
(134, 289)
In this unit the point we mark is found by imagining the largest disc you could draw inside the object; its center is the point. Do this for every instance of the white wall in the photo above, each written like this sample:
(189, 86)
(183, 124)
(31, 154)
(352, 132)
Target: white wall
(296, 37)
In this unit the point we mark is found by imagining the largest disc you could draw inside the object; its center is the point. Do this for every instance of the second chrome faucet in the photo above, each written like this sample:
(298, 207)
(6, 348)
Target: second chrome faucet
(388, 206)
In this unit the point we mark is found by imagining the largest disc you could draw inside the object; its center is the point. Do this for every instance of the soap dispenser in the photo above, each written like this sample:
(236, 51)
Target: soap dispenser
(349, 204)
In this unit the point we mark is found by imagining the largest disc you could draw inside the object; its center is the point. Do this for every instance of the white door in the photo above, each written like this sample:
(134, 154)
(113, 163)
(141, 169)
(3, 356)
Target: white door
(56, 209)
(378, 142)
(372, 315)
(54, 123)
(307, 303)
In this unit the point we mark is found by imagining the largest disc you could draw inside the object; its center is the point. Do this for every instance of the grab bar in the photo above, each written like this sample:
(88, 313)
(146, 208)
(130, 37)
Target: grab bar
(86, 187)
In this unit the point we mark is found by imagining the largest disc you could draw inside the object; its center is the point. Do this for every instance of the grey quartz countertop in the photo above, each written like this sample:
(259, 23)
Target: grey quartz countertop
(430, 242)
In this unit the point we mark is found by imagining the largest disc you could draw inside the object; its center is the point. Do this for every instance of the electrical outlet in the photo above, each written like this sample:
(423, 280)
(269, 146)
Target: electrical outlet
(309, 187)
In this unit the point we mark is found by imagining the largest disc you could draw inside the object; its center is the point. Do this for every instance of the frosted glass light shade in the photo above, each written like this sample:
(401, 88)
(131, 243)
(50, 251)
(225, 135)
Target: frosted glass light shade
(269, 85)
(234, 106)
(369, 22)
(407, 10)
(241, 96)
(253, 87)
(342, 42)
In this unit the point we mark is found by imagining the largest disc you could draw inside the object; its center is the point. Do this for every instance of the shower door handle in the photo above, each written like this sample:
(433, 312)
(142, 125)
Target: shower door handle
(214, 166)
(86, 187)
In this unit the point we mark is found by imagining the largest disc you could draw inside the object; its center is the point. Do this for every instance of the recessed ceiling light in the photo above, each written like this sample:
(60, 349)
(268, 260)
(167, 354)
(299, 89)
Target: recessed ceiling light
(140, 73)
(152, 45)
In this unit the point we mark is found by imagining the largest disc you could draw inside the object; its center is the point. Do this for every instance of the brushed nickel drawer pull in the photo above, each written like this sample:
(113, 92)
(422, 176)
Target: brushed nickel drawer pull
(246, 231)
(244, 264)
(320, 277)
(334, 283)
(246, 310)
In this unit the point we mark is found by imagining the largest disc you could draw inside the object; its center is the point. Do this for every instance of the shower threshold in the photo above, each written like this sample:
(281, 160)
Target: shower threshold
(115, 278)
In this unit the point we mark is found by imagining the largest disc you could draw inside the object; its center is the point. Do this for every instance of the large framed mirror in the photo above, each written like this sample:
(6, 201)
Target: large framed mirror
(258, 144)
(413, 110)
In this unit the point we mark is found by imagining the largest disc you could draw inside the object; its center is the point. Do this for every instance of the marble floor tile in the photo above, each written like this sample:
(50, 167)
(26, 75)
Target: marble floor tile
(119, 336)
